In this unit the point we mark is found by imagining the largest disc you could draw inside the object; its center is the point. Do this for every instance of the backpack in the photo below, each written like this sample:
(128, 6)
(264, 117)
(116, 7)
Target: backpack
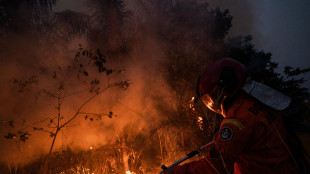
(296, 116)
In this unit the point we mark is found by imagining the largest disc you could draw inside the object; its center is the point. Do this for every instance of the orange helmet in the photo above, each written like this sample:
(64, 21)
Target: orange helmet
(220, 79)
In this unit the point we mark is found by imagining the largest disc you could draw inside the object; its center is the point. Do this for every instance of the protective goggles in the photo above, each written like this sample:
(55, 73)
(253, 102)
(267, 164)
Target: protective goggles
(214, 101)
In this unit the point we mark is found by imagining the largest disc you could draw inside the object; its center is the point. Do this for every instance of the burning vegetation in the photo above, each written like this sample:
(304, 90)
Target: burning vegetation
(109, 91)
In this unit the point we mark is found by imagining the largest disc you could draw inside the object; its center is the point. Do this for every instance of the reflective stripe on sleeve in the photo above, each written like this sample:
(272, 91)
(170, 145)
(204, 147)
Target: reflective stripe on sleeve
(234, 122)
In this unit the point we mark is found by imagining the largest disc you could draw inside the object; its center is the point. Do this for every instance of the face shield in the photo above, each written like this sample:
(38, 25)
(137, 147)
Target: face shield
(215, 100)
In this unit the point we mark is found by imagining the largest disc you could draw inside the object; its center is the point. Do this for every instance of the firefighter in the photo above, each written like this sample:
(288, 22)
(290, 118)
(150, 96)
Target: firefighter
(252, 135)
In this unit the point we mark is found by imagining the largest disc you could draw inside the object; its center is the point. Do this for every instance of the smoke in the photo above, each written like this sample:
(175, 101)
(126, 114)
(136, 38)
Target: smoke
(24, 55)
(162, 52)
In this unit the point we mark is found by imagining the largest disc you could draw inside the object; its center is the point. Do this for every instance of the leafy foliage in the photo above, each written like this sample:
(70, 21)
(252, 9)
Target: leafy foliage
(263, 69)
(65, 25)
(111, 23)
(24, 84)
(16, 15)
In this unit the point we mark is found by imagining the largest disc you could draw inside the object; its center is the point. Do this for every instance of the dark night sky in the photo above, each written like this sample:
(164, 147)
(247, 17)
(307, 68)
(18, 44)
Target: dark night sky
(281, 27)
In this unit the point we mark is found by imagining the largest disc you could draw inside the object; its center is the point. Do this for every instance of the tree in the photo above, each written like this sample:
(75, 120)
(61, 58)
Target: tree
(64, 26)
(18, 15)
(111, 23)
(86, 62)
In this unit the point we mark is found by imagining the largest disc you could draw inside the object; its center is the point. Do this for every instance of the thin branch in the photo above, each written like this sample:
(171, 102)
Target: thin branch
(43, 130)
(74, 93)
(52, 127)
(73, 125)
(54, 124)
(32, 125)
(80, 108)
(89, 113)
(59, 102)
(141, 115)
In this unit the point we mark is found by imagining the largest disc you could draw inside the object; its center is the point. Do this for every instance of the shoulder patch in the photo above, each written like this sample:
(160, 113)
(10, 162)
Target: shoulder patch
(226, 133)
(234, 122)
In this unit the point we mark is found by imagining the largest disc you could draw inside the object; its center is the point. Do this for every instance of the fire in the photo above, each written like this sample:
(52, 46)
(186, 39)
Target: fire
(191, 103)
(199, 119)
(128, 172)
(200, 122)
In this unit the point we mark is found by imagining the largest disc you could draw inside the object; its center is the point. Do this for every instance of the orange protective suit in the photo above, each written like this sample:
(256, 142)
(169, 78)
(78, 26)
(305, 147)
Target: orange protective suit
(251, 139)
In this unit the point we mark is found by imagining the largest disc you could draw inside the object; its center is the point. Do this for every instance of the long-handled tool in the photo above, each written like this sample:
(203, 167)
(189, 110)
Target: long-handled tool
(188, 156)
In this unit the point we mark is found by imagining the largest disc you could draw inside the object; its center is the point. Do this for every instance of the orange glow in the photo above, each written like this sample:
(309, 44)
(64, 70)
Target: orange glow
(200, 121)
(215, 107)
(191, 103)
